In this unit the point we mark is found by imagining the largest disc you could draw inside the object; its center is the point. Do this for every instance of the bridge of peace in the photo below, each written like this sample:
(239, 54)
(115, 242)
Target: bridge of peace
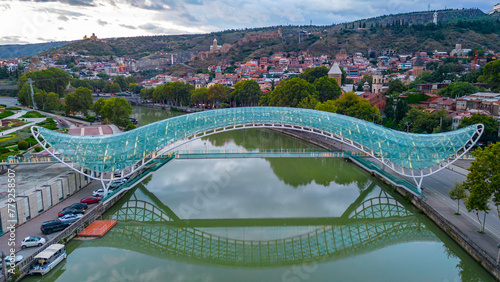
(107, 158)
(374, 221)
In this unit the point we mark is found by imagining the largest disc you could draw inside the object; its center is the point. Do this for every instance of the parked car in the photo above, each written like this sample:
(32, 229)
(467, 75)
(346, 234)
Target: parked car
(90, 200)
(98, 193)
(70, 211)
(32, 241)
(83, 206)
(52, 226)
(70, 218)
(8, 260)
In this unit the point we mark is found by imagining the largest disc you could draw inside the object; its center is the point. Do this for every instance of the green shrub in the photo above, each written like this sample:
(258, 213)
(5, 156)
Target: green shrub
(90, 118)
(38, 149)
(22, 145)
(130, 127)
(4, 150)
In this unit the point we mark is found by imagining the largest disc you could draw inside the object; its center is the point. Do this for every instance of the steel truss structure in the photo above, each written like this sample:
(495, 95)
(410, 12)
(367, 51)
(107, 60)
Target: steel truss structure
(145, 226)
(412, 155)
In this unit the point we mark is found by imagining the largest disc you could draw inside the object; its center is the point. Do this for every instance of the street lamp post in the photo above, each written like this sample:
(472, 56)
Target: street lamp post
(408, 126)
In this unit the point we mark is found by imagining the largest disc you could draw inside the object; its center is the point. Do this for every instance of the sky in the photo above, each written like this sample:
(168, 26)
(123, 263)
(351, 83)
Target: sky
(36, 21)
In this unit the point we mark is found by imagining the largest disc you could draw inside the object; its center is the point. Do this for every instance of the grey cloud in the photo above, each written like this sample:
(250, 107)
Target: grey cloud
(63, 18)
(128, 26)
(12, 40)
(4, 7)
(63, 12)
(89, 3)
(101, 22)
(148, 26)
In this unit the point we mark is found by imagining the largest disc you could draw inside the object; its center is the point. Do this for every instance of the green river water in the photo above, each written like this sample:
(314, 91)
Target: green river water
(275, 219)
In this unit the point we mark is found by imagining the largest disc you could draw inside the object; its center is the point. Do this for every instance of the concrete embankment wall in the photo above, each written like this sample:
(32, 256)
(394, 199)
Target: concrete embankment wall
(41, 198)
(451, 230)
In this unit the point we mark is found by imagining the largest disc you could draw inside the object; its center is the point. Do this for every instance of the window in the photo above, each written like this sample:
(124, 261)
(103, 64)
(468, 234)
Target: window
(49, 196)
(27, 208)
(39, 201)
(60, 190)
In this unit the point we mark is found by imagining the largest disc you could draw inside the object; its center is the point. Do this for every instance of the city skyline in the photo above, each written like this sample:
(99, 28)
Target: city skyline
(37, 21)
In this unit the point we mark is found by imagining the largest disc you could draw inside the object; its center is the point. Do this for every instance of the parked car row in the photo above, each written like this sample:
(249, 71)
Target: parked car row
(68, 215)
(75, 211)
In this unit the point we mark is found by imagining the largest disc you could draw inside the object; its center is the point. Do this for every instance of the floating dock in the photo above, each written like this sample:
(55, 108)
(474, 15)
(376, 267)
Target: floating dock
(97, 228)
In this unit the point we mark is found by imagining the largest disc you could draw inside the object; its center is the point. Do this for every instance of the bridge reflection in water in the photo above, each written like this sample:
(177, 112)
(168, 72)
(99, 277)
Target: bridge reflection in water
(375, 220)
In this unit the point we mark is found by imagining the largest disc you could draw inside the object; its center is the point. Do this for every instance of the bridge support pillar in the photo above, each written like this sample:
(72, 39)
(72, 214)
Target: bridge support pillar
(418, 182)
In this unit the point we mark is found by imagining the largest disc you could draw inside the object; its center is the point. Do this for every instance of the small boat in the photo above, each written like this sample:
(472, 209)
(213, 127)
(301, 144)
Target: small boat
(48, 259)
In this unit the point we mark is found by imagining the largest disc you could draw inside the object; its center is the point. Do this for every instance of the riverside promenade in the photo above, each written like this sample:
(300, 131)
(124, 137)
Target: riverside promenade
(464, 228)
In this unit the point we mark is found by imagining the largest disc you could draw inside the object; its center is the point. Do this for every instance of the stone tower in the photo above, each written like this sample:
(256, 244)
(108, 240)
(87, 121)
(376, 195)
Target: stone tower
(377, 83)
(218, 72)
(336, 73)
(418, 66)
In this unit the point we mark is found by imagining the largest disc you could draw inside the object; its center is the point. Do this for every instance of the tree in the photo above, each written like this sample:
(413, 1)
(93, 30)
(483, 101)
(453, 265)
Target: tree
(396, 86)
(40, 99)
(97, 106)
(311, 74)
(247, 93)
(121, 81)
(483, 180)
(117, 111)
(327, 88)
(491, 75)
(490, 133)
(199, 96)
(22, 145)
(53, 102)
(181, 93)
(458, 89)
(79, 101)
(352, 105)
(24, 95)
(75, 82)
(49, 80)
(289, 93)
(217, 93)
(458, 193)
(423, 122)
(112, 88)
(146, 93)
(327, 106)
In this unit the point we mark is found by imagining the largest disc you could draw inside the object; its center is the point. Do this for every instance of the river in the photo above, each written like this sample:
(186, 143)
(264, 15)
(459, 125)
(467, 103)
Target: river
(275, 219)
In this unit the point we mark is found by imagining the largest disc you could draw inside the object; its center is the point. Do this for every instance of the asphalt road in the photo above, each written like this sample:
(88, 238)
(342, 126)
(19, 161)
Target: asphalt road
(32, 227)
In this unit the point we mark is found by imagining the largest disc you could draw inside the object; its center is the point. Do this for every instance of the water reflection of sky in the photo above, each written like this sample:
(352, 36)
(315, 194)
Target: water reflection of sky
(243, 188)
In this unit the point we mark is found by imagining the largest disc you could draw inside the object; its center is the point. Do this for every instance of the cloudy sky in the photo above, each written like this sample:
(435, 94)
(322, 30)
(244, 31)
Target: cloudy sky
(35, 21)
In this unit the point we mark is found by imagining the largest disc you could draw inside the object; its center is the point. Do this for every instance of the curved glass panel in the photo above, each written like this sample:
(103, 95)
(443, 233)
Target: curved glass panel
(119, 151)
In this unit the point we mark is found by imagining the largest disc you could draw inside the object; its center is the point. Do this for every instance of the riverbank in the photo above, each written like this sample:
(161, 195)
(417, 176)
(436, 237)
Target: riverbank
(464, 231)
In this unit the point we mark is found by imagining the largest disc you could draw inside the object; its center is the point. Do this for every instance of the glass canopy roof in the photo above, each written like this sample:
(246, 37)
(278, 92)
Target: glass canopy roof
(119, 151)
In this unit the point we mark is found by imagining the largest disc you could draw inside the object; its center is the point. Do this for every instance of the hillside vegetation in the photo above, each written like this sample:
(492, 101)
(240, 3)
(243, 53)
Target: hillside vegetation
(403, 33)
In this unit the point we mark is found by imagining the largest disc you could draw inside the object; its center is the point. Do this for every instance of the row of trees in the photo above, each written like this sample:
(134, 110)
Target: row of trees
(245, 93)
(117, 84)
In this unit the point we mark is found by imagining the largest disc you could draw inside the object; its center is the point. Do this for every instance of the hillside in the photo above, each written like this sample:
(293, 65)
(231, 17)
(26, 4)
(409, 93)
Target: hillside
(14, 51)
(402, 33)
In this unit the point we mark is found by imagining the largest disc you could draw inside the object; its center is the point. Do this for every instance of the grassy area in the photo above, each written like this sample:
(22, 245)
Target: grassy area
(32, 114)
(8, 145)
(5, 114)
(48, 123)
(13, 108)
(8, 137)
